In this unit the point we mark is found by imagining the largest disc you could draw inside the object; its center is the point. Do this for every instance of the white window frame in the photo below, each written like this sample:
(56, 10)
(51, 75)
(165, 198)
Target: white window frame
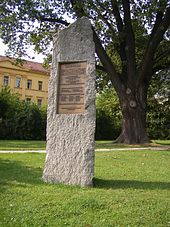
(39, 101)
(6, 80)
(28, 99)
(29, 84)
(18, 81)
(40, 85)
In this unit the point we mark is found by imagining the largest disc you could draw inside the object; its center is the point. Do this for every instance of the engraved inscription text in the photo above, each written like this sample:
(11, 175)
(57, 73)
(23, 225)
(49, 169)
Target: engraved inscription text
(71, 88)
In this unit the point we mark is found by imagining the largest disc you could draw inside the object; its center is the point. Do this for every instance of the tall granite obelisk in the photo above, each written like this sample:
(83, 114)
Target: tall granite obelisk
(71, 108)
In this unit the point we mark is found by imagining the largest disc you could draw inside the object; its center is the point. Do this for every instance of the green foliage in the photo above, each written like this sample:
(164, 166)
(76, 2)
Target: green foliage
(158, 120)
(158, 117)
(20, 119)
(4, 102)
(128, 191)
(107, 115)
(21, 25)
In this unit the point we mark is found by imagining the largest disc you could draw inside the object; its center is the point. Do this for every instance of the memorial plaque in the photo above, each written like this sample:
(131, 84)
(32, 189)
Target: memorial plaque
(71, 87)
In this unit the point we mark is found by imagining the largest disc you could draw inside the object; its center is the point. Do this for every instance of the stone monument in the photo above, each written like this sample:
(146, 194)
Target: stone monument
(71, 107)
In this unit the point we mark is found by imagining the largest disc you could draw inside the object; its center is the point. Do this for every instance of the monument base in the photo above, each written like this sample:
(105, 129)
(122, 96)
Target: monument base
(70, 158)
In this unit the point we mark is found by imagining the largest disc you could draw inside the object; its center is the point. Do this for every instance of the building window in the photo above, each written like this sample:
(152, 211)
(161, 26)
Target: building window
(39, 102)
(28, 99)
(29, 84)
(6, 80)
(18, 82)
(40, 85)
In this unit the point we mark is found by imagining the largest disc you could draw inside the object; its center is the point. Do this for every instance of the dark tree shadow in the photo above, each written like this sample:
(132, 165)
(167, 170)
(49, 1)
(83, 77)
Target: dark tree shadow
(15, 171)
(127, 184)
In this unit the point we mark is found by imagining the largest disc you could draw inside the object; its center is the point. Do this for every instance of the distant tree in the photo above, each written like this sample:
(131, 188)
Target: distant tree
(131, 39)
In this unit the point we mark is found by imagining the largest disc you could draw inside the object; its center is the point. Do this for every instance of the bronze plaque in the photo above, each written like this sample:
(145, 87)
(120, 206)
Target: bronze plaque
(71, 88)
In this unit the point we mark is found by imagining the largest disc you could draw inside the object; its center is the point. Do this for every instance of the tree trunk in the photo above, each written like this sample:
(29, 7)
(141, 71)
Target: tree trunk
(133, 105)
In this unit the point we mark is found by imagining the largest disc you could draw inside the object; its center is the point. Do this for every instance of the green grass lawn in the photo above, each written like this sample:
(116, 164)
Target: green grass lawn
(131, 188)
(22, 145)
(41, 145)
(162, 142)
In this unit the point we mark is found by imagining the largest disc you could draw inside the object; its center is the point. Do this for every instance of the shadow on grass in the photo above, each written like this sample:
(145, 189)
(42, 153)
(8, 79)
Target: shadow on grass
(127, 184)
(14, 172)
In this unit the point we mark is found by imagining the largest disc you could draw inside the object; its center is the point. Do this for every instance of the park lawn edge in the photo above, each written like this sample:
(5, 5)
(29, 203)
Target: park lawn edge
(40, 145)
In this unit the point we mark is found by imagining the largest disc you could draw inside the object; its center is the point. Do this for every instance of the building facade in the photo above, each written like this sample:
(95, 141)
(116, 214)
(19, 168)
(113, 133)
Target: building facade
(30, 80)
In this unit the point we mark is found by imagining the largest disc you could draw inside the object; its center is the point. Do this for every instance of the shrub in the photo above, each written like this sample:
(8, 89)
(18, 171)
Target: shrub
(107, 115)
(20, 119)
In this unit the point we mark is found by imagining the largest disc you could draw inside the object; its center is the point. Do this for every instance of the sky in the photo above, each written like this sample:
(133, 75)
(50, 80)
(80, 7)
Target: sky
(37, 57)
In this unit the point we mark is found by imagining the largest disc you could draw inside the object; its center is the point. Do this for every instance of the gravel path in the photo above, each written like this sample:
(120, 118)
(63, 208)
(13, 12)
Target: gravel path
(98, 149)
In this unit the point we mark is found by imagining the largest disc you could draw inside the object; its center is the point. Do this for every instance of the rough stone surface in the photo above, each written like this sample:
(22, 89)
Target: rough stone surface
(70, 137)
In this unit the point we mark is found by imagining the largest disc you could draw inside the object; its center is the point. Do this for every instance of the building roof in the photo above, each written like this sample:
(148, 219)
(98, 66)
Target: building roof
(35, 66)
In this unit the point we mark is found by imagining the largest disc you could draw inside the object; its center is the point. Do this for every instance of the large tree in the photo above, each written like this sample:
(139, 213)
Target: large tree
(131, 40)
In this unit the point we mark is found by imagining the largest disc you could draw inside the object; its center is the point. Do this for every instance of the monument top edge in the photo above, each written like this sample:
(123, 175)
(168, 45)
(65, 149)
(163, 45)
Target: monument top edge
(84, 19)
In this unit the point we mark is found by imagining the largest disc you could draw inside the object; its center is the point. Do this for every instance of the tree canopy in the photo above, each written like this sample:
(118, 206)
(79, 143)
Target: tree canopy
(25, 22)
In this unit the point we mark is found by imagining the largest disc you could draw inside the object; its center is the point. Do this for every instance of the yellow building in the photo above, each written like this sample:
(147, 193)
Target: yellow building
(30, 80)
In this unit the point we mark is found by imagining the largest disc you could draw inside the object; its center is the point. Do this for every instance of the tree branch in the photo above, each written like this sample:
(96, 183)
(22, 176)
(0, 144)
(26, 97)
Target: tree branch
(159, 16)
(118, 18)
(130, 41)
(120, 28)
(121, 35)
(156, 38)
(106, 62)
(55, 20)
(105, 20)
(157, 23)
(99, 10)
(104, 58)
